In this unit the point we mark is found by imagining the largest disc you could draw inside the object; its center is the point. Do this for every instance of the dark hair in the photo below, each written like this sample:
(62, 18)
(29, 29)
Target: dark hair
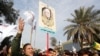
(84, 51)
(67, 52)
(8, 47)
(25, 45)
(50, 49)
(44, 9)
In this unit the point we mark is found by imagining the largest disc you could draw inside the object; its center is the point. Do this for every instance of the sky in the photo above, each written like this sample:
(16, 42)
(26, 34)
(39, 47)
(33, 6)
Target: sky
(63, 10)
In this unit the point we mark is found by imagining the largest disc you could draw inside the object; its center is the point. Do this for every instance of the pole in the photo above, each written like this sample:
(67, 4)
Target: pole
(31, 35)
(47, 42)
(35, 38)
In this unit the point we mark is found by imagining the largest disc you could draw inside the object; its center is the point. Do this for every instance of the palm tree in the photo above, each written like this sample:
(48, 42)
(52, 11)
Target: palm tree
(85, 27)
(7, 10)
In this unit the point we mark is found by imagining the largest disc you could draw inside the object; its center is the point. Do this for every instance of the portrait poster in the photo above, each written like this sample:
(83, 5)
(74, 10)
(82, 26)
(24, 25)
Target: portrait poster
(46, 18)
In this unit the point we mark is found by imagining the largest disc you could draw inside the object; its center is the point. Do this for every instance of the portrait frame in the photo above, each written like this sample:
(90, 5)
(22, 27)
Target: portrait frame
(44, 23)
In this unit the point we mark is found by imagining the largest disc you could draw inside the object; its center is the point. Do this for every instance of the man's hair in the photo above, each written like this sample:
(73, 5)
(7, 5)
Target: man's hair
(84, 51)
(44, 9)
(67, 52)
(25, 45)
(50, 49)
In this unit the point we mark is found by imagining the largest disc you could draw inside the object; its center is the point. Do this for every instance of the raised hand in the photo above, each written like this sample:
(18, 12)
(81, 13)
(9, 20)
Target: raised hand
(20, 25)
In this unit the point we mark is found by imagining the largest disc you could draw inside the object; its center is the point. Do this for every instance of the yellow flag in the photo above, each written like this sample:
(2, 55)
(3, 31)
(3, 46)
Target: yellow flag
(97, 45)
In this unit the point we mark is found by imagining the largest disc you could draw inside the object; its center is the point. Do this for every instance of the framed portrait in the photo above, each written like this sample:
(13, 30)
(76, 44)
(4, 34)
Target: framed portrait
(46, 17)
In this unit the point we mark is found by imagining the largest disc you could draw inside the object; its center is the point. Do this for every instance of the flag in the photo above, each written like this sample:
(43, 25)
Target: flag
(8, 30)
(96, 45)
(29, 17)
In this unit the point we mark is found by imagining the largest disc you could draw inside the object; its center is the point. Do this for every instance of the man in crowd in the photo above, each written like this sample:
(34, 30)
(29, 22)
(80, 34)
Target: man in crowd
(15, 47)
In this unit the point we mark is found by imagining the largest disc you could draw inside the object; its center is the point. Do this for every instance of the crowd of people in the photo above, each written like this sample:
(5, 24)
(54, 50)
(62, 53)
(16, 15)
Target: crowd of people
(13, 49)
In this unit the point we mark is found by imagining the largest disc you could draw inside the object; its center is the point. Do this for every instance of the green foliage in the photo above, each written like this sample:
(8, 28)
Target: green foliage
(86, 25)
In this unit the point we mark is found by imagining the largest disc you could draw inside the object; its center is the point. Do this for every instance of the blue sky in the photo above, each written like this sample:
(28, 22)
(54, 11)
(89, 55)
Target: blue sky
(63, 10)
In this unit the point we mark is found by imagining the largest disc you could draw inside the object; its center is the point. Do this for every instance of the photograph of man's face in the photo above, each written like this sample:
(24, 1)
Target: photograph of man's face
(46, 12)
(46, 16)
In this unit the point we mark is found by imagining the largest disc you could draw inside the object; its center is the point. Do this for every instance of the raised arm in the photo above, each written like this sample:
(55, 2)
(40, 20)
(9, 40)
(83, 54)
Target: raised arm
(15, 48)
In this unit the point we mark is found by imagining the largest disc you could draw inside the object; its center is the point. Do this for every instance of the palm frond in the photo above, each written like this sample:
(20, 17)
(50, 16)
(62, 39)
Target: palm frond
(69, 35)
(75, 39)
(70, 27)
(71, 20)
(91, 30)
(90, 38)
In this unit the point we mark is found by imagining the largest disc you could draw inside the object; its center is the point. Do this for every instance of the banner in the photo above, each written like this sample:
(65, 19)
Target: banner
(7, 30)
(46, 18)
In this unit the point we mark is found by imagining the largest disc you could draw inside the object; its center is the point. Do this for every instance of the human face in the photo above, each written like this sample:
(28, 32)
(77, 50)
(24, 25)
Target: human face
(9, 50)
(85, 55)
(47, 13)
(28, 50)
